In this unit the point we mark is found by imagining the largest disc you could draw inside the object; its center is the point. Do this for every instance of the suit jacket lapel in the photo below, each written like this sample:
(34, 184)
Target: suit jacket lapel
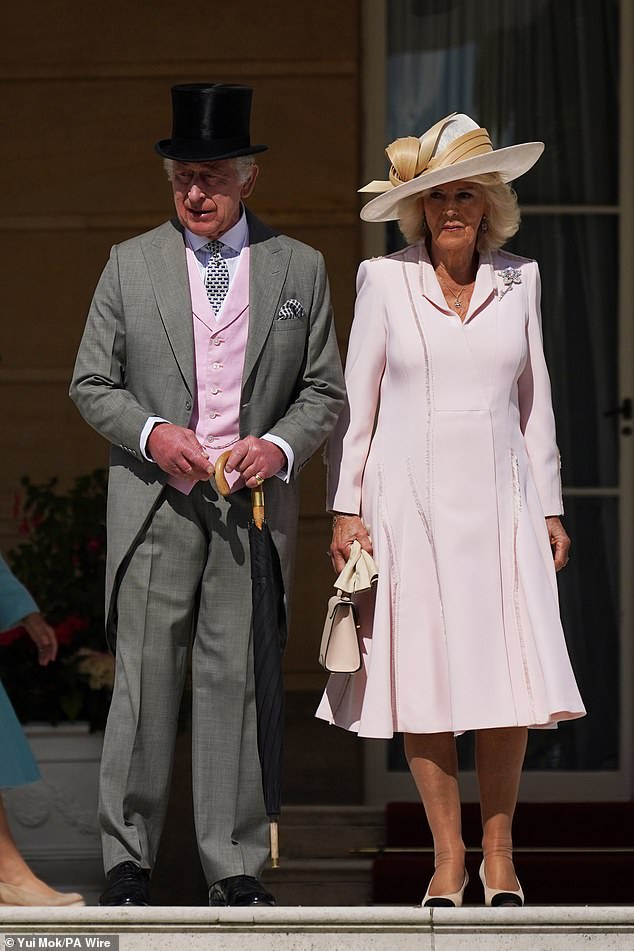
(269, 264)
(167, 265)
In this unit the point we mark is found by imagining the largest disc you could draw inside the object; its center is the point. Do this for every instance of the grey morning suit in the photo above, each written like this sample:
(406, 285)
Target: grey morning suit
(178, 566)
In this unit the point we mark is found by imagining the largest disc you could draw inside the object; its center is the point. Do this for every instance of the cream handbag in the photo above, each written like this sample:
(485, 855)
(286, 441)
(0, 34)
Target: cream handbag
(340, 651)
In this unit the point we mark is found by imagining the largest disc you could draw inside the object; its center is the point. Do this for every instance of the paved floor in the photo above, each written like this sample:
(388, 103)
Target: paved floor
(313, 929)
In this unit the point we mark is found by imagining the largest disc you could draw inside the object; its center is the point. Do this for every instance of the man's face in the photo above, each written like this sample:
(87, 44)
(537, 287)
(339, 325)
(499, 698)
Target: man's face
(207, 195)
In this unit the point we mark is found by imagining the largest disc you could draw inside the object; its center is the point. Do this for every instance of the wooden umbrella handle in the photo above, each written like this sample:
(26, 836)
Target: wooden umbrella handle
(257, 494)
(219, 473)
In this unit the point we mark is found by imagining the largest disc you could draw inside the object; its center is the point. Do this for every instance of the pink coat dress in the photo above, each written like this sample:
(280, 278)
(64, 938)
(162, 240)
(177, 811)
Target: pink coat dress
(453, 482)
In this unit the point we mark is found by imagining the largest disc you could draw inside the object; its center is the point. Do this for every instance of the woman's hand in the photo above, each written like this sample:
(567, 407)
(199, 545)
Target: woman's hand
(559, 541)
(345, 530)
(42, 635)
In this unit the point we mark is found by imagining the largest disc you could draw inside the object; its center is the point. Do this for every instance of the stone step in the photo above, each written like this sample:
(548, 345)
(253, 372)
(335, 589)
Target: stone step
(319, 847)
(321, 929)
(321, 861)
(321, 882)
(330, 831)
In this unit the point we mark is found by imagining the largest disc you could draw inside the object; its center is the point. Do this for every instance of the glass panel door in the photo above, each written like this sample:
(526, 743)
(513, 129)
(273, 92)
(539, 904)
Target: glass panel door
(549, 70)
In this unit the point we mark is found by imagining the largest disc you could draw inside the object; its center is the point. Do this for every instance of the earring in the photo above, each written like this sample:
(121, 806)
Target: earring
(484, 224)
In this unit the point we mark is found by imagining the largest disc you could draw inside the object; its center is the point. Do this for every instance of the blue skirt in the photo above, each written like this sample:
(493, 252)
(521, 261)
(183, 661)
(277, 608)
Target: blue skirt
(17, 765)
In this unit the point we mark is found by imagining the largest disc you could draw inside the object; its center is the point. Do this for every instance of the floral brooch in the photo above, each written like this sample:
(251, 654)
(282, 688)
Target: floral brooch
(510, 276)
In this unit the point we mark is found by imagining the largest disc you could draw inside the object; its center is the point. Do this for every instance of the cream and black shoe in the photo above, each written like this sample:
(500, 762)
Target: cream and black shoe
(452, 900)
(499, 899)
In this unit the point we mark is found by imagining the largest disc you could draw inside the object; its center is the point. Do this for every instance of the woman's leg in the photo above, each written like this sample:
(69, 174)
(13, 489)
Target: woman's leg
(18, 884)
(13, 868)
(499, 759)
(433, 763)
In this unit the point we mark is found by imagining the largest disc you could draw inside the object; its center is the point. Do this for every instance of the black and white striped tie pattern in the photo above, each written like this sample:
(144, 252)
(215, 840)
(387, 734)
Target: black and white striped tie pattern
(216, 275)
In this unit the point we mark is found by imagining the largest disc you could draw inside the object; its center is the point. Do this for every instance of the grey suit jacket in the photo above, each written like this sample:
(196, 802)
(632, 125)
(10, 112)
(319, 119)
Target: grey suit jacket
(136, 359)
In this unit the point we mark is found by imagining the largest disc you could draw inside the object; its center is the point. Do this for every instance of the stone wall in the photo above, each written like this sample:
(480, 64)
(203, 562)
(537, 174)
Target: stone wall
(84, 96)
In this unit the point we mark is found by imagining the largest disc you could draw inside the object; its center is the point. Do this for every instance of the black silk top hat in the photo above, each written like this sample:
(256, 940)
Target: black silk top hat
(210, 121)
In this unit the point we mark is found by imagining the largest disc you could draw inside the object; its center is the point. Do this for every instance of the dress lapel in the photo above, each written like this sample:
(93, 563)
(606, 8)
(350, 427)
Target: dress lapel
(429, 286)
(484, 286)
(482, 292)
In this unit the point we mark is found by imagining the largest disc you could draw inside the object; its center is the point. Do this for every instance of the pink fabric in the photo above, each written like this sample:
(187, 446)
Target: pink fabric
(454, 484)
(219, 345)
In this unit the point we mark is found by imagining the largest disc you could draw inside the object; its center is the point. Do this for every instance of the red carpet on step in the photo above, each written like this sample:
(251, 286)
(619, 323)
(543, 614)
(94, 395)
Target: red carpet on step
(566, 853)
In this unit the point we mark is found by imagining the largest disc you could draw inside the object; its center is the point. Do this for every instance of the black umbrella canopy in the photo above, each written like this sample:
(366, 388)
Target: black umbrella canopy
(269, 640)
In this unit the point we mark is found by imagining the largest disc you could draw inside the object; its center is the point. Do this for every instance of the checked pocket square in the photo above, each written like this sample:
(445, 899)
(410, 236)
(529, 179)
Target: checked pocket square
(291, 310)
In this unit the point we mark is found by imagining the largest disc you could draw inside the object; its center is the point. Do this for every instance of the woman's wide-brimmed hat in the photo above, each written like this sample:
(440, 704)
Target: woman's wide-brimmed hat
(210, 121)
(454, 149)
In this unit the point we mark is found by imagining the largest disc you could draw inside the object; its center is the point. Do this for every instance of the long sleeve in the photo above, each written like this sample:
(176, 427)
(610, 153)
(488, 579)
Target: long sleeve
(537, 419)
(100, 387)
(349, 444)
(15, 600)
(318, 388)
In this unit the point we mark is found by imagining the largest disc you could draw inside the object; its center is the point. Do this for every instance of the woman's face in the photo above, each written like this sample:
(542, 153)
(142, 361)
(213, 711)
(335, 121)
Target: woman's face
(453, 213)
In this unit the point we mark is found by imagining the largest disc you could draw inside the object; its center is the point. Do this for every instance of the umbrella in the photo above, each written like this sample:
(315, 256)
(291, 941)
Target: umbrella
(269, 639)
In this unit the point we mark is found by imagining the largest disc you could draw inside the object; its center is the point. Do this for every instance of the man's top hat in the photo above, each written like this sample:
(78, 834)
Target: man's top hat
(210, 121)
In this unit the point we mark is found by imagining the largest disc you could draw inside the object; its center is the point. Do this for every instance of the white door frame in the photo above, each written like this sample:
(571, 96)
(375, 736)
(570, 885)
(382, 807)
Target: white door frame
(382, 786)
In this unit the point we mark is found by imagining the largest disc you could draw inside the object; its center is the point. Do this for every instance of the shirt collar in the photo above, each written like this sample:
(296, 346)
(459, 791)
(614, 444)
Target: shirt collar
(235, 238)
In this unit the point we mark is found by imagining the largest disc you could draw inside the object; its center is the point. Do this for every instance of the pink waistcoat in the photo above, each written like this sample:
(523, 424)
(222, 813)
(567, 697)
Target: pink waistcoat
(219, 348)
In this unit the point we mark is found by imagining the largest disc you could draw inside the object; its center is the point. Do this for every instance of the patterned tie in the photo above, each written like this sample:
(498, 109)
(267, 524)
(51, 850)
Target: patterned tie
(216, 275)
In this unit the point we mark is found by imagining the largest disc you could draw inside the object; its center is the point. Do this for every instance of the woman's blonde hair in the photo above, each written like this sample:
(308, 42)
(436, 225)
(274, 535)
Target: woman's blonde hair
(502, 213)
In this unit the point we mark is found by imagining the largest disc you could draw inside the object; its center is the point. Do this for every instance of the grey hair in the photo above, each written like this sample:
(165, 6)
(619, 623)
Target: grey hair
(502, 213)
(242, 164)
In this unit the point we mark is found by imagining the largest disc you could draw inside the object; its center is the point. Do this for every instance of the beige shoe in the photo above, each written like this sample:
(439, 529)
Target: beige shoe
(494, 898)
(13, 895)
(453, 900)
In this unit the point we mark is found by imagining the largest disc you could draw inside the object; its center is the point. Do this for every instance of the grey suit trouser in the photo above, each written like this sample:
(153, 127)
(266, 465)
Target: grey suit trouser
(188, 577)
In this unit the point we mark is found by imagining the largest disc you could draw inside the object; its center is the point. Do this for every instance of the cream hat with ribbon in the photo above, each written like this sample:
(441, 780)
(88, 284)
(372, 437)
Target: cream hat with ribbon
(452, 150)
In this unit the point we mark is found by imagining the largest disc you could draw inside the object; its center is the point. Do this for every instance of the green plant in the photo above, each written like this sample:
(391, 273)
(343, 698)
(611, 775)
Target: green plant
(62, 563)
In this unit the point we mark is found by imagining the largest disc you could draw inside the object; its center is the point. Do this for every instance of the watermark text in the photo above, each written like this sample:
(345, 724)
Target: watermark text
(63, 942)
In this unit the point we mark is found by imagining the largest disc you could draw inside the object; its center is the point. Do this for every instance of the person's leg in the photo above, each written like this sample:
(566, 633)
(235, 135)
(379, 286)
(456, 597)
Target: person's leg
(156, 605)
(433, 763)
(15, 873)
(231, 822)
(13, 868)
(499, 760)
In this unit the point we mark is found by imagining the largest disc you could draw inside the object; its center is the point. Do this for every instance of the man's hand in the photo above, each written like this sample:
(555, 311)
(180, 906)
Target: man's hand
(177, 451)
(559, 541)
(256, 459)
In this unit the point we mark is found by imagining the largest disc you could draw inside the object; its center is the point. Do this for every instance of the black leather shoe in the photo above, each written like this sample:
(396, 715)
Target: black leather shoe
(126, 884)
(239, 890)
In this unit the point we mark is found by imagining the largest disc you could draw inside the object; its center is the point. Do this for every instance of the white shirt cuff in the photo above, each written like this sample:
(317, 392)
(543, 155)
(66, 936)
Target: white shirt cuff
(145, 434)
(285, 472)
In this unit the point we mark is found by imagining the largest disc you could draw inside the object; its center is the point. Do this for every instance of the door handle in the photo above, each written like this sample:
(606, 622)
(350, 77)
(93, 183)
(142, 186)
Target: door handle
(624, 409)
